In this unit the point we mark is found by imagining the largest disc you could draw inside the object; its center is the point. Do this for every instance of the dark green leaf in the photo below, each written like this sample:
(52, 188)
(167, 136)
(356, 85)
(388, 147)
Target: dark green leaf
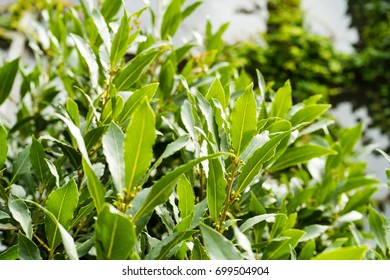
(138, 145)
(21, 213)
(37, 158)
(21, 165)
(62, 204)
(299, 155)
(3, 146)
(7, 76)
(249, 223)
(277, 250)
(198, 251)
(27, 249)
(113, 146)
(243, 120)
(114, 234)
(216, 185)
(217, 246)
(110, 8)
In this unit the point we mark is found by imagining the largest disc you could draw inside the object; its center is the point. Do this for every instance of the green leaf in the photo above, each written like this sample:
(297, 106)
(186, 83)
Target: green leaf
(12, 253)
(348, 137)
(21, 213)
(95, 187)
(378, 226)
(7, 77)
(114, 234)
(254, 164)
(359, 199)
(249, 223)
(308, 250)
(135, 100)
(83, 212)
(120, 40)
(3, 215)
(216, 91)
(21, 165)
(138, 144)
(283, 101)
(308, 114)
(186, 196)
(217, 246)
(3, 145)
(166, 78)
(208, 115)
(188, 119)
(113, 147)
(198, 251)
(387, 157)
(171, 19)
(133, 71)
(162, 189)
(169, 243)
(190, 9)
(277, 250)
(345, 253)
(89, 57)
(73, 110)
(102, 28)
(298, 155)
(27, 249)
(61, 203)
(110, 8)
(243, 120)
(216, 185)
(37, 158)
(313, 231)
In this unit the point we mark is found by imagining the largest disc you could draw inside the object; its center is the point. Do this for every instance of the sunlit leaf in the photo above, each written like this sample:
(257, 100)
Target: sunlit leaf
(283, 101)
(345, 253)
(8, 73)
(95, 187)
(120, 40)
(186, 197)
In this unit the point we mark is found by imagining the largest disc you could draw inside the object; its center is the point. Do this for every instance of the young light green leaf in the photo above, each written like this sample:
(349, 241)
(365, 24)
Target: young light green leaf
(89, 58)
(254, 164)
(61, 203)
(73, 110)
(133, 71)
(95, 187)
(243, 120)
(378, 226)
(217, 246)
(7, 77)
(21, 213)
(190, 9)
(138, 144)
(12, 253)
(162, 189)
(27, 249)
(171, 19)
(37, 158)
(216, 185)
(277, 250)
(67, 240)
(283, 101)
(120, 41)
(102, 29)
(308, 113)
(114, 234)
(110, 8)
(313, 231)
(344, 253)
(216, 91)
(299, 155)
(261, 81)
(349, 137)
(135, 100)
(186, 196)
(3, 146)
(165, 246)
(113, 147)
(307, 251)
